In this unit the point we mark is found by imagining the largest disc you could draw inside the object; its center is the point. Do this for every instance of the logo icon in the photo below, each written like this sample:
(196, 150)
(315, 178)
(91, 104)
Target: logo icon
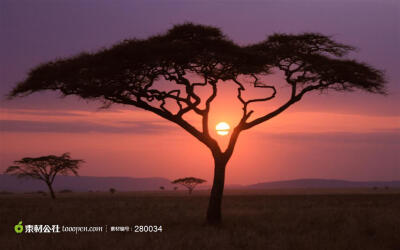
(19, 228)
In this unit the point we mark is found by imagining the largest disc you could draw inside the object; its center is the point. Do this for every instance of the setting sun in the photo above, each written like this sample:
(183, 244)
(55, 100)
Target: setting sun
(222, 128)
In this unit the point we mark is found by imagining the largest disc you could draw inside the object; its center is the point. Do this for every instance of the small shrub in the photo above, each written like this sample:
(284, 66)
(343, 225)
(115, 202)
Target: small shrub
(5, 192)
(41, 192)
(66, 191)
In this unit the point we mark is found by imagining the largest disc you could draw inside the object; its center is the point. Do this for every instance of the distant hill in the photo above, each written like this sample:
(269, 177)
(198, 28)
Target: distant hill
(323, 183)
(227, 186)
(89, 183)
(84, 183)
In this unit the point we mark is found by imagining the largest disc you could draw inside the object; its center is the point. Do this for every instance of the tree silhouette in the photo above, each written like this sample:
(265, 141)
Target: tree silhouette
(161, 75)
(189, 182)
(45, 168)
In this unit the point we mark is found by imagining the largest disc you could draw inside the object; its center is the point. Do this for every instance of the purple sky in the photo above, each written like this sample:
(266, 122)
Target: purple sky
(34, 32)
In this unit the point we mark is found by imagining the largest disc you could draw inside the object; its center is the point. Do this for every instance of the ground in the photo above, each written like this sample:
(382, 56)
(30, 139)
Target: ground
(277, 219)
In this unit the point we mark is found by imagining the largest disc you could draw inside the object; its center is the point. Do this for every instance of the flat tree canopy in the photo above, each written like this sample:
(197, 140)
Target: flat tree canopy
(189, 182)
(151, 73)
(45, 168)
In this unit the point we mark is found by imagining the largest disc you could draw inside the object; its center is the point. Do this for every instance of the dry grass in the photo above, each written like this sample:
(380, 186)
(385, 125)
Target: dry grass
(351, 219)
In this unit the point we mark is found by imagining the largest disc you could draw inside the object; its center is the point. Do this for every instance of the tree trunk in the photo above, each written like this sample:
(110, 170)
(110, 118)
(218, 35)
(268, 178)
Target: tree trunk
(214, 207)
(51, 191)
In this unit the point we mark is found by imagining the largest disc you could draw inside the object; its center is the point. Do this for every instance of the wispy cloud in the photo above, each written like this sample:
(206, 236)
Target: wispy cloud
(138, 127)
(46, 112)
(385, 137)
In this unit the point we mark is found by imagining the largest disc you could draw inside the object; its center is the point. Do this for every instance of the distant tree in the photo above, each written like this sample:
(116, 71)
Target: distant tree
(163, 75)
(162, 187)
(189, 182)
(112, 190)
(45, 168)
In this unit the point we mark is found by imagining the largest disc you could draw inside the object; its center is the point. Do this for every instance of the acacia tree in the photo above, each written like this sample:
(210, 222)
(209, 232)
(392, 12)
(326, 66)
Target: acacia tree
(157, 72)
(189, 182)
(45, 168)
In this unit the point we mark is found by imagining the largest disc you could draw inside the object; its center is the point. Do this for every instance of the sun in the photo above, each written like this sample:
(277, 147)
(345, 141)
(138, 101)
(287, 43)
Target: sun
(222, 128)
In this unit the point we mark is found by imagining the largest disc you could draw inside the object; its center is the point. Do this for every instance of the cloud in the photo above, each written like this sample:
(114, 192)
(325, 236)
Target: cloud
(43, 113)
(139, 127)
(46, 113)
(386, 137)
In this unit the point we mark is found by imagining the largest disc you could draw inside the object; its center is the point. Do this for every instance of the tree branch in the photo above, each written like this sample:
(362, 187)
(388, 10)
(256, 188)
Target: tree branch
(291, 101)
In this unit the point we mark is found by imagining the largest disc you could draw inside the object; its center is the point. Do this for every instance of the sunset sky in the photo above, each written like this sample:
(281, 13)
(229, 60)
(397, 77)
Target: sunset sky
(353, 136)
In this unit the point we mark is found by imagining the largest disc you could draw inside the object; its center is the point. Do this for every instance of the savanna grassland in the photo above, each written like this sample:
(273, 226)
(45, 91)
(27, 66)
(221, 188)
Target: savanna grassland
(291, 219)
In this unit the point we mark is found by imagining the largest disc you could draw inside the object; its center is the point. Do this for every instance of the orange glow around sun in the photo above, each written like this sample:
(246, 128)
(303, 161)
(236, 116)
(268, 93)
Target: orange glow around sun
(222, 128)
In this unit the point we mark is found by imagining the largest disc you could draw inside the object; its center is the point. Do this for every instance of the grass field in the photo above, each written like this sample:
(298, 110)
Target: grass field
(291, 219)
